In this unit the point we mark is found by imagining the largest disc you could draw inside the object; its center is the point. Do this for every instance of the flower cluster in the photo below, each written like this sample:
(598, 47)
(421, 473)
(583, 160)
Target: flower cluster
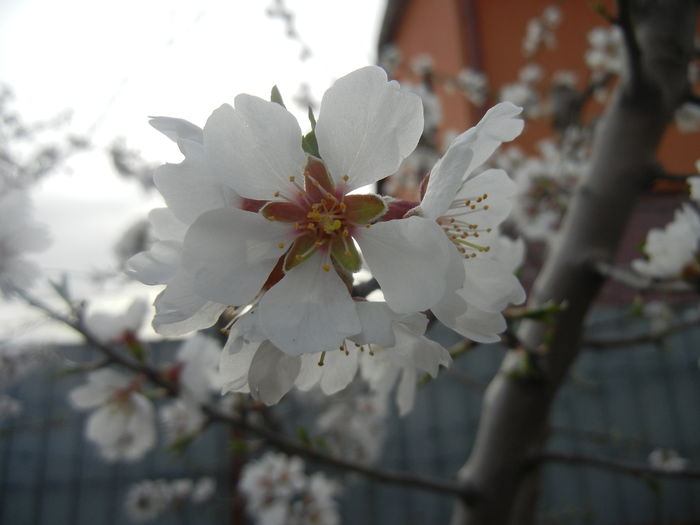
(278, 492)
(355, 428)
(122, 422)
(545, 186)
(540, 30)
(269, 229)
(605, 52)
(475, 86)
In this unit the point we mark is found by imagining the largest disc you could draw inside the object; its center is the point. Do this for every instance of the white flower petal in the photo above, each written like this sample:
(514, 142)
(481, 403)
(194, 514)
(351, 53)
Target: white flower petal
(177, 129)
(445, 179)
(310, 373)
(409, 258)
(272, 373)
(367, 126)
(230, 254)
(499, 124)
(158, 265)
(376, 320)
(339, 369)
(480, 326)
(166, 227)
(255, 147)
(234, 363)
(489, 285)
(179, 310)
(309, 310)
(500, 190)
(189, 189)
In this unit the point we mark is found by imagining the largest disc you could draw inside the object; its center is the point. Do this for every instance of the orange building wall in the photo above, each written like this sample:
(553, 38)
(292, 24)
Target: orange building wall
(438, 27)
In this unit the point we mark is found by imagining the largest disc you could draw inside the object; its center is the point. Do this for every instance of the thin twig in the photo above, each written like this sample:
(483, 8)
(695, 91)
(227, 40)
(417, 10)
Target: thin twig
(624, 22)
(650, 337)
(639, 282)
(623, 467)
(383, 475)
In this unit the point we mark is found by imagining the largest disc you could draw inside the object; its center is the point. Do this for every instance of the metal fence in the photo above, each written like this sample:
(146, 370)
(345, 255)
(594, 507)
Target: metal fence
(619, 403)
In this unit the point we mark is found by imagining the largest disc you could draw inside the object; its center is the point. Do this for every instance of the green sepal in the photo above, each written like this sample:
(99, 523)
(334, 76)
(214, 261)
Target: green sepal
(345, 275)
(138, 351)
(346, 254)
(238, 446)
(364, 209)
(276, 96)
(179, 446)
(303, 436)
(544, 313)
(310, 145)
(303, 248)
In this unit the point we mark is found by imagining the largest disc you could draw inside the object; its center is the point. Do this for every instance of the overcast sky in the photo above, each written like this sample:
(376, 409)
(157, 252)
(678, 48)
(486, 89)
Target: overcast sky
(113, 63)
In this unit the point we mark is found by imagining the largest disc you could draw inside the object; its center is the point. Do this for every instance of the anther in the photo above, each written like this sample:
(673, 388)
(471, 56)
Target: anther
(346, 178)
(281, 245)
(326, 268)
(323, 356)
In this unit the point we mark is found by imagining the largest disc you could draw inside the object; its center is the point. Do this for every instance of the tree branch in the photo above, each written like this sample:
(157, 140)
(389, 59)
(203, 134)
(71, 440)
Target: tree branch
(651, 337)
(406, 479)
(515, 411)
(273, 438)
(623, 467)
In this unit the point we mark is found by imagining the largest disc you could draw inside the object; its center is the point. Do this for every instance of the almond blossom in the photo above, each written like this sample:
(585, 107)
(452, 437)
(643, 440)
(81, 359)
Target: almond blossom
(292, 258)
(469, 205)
(122, 422)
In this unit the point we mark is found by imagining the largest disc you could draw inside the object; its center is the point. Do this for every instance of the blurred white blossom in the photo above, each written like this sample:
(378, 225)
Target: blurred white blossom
(19, 235)
(122, 421)
(672, 251)
(540, 30)
(475, 86)
(147, 500)
(687, 118)
(605, 51)
(355, 428)
(667, 459)
(109, 327)
(278, 492)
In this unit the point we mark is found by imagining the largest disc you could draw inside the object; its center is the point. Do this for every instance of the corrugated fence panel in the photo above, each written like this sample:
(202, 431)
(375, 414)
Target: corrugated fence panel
(619, 403)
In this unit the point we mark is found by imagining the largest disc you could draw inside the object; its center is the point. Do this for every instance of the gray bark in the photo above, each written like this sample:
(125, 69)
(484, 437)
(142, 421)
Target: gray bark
(515, 409)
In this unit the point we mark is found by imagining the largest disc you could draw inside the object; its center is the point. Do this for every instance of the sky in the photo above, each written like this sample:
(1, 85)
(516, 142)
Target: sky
(113, 64)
